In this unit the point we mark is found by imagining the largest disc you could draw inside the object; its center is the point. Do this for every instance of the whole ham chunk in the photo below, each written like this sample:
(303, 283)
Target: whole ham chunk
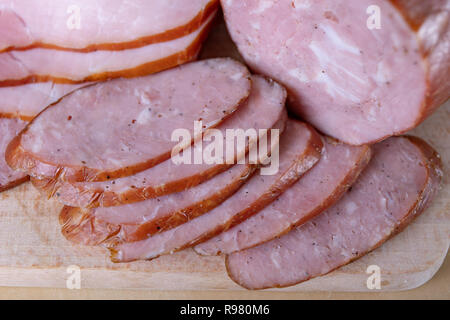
(90, 25)
(401, 179)
(8, 177)
(300, 149)
(121, 127)
(67, 67)
(338, 168)
(355, 77)
(267, 97)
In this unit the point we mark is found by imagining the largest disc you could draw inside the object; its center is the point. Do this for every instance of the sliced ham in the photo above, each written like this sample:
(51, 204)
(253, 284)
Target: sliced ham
(145, 218)
(377, 83)
(9, 178)
(267, 97)
(400, 181)
(317, 190)
(25, 102)
(119, 128)
(42, 65)
(103, 24)
(300, 149)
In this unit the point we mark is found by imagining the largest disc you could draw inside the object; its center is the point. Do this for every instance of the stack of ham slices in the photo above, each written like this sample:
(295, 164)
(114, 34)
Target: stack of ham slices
(107, 151)
(41, 63)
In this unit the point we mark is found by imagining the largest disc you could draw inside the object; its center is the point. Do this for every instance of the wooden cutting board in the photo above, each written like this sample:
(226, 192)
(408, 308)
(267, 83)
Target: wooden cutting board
(34, 254)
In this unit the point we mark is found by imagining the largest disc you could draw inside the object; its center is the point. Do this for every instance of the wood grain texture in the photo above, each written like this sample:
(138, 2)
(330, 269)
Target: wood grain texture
(33, 252)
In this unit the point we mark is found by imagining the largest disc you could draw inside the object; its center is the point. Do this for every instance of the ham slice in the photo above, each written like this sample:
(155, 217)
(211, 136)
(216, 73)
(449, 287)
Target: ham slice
(25, 102)
(8, 177)
(377, 83)
(119, 128)
(66, 67)
(267, 97)
(400, 181)
(300, 149)
(103, 24)
(317, 190)
(96, 226)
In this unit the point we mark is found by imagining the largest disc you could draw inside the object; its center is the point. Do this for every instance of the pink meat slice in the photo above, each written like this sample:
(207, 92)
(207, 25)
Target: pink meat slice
(267, 97)
(41, 65)
(153, 209)
(9, 178)
(168, 207)
(118, 128)
(378, 82)
(300, 148)
(317, 190)
(103, 24)
(91, 227)
(399, 182)
(26, 101)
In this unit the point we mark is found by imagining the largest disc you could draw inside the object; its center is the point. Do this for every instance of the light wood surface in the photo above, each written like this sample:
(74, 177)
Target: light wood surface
(34, 254)
(436, 288)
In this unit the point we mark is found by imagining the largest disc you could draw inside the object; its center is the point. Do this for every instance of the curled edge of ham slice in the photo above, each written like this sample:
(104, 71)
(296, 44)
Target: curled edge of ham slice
(42, 150)
(320, 246)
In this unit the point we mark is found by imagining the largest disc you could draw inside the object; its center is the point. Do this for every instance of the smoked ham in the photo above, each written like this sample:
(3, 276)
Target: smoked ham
(66, 67)
(300, 149)
(398, 184)
(121, 127)
(138, 221)
(338, 168)
(267, 97)
(91, 25)
(359, 71)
